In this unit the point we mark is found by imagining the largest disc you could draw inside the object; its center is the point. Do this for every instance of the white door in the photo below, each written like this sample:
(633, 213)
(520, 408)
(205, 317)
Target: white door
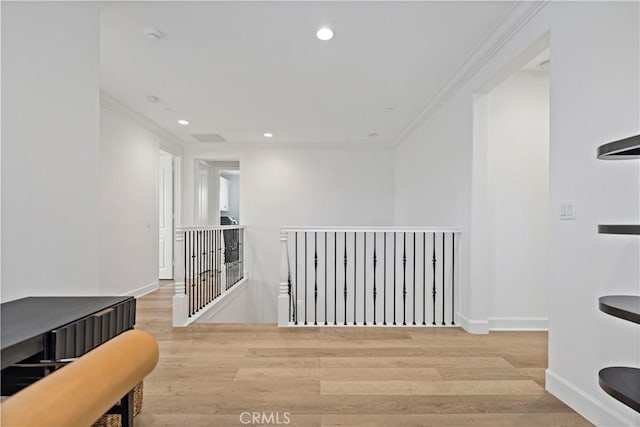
(165, 216)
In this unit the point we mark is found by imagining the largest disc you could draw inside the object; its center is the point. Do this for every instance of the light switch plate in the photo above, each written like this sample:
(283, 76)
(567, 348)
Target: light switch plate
(568, 210)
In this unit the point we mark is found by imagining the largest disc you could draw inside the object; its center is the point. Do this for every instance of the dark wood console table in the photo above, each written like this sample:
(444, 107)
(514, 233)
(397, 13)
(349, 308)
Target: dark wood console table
(41, 334)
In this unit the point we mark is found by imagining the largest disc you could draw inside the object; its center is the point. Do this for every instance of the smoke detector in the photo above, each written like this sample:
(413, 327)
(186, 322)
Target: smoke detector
(153, 34)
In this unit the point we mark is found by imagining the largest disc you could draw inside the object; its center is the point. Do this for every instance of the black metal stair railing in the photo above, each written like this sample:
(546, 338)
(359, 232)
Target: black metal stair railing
(213, 263)
(323, 291)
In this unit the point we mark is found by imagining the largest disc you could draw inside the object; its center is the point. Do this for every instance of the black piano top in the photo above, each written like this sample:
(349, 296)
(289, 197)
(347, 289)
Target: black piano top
(27, 318)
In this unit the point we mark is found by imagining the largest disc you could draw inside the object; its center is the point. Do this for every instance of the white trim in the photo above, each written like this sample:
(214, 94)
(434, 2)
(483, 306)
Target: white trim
(168, 141)
(370, 325)
(374, 229)
(218, 304)
(142, 290)
(209, 227)
(473, 326)
(511, 23)
(583, 403)
(518, 323)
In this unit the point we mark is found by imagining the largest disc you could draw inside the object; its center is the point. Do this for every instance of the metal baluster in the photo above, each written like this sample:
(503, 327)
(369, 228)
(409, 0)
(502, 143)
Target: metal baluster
(227, 273)
(290, 285)
(414, 277)
(434, 278)
(364, 281)
(355, 269)
(453, 264)
(315, 285)
(196, 282)
(375, 291)
(216, 260)
(202, 268)
(193, 272)
(345, 278)
(212, 255)
(335, 278)
(187, 268)
(325, 278)
(186, 265)
(424, 278)
(241, 253)
(295, 302)
(395, 252)
(443, 271)
(384, 280)
(207, 267)
(404, 278)
(305, 278)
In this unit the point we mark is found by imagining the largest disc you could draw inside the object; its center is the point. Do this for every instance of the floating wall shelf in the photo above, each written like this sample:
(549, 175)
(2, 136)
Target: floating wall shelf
(628, 148)
(623, 384)
(625, 307)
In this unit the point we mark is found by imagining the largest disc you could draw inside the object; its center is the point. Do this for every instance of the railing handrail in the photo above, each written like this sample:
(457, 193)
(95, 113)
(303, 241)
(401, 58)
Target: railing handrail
(209, 227)
(371, 229)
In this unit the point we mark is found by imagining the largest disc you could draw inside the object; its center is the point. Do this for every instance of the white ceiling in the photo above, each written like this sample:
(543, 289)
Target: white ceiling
(240, 69)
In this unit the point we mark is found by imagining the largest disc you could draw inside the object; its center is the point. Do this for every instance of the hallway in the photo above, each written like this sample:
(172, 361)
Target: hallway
(218, 375)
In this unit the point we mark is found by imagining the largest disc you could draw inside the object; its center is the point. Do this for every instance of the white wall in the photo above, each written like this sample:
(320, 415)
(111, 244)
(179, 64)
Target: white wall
(518, 201)
(592, 102)
(594, 99)
(297, 186)
(128, 204)
(50, 110)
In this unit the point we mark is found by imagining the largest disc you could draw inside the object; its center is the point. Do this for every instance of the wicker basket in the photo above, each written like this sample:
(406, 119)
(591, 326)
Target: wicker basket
(111, 420)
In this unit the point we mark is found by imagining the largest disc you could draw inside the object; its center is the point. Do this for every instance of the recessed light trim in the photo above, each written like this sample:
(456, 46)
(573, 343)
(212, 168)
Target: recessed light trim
(324, 34)
(268, 135)
(183, 122)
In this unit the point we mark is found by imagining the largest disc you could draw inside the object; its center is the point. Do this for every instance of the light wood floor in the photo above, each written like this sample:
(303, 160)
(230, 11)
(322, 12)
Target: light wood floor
(208, 375)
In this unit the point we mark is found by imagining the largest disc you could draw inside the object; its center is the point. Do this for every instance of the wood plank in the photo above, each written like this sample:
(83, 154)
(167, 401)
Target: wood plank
(209, 374)
(475, 420)
(440, 388)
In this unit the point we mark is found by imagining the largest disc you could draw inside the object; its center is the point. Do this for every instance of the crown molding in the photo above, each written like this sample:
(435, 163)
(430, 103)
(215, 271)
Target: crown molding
(510, 24)
(168, 141)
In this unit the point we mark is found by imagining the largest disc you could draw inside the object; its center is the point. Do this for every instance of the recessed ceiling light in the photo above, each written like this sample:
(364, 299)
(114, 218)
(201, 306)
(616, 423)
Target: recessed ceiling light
(545, 64)
(390, 109)
(153, 34)
(373, 134)
(324, 33)
(153, 99)
(183, 122)
(268, 135)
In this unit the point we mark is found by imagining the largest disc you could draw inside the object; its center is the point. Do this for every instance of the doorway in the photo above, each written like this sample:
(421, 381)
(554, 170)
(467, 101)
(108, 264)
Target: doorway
(166, 215)
(510, 213)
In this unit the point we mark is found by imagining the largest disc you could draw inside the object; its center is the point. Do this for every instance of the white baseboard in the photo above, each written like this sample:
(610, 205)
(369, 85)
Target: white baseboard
(518, 323)
(143, 290)
(473, 326)
(585, 404)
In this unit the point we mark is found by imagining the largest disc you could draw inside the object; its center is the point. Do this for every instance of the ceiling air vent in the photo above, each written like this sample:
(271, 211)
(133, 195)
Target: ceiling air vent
(208, 137)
